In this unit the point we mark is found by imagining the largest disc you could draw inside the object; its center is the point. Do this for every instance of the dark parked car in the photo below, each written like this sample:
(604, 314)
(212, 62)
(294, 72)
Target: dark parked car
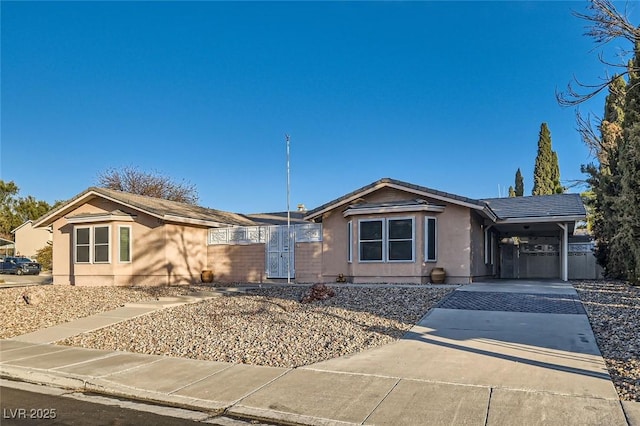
(19, 266)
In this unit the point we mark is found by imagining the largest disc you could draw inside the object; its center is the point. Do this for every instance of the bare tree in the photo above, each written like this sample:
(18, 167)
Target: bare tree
(132, 180)
(605, 24)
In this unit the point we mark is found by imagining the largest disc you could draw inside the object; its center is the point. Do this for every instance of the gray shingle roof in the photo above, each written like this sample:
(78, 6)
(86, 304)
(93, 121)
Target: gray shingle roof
(154, 206)
(407, 185)
(163, 207)
(537, 206)
(277, 218)
(542, 206)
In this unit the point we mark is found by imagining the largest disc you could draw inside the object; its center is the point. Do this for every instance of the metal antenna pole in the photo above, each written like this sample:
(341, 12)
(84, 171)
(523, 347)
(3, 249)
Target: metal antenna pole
(288, 216)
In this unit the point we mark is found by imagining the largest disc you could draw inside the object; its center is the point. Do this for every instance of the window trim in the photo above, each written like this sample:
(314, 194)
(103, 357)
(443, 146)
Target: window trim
(382, 240)
(120, 228)
(75, 244)
(385, 239)
(108, 244)
(350, 242)
(426, 239)
(92, 245)
(413, 240)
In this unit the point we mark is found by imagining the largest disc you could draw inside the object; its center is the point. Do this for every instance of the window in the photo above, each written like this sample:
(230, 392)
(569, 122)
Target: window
(400, 239)
(124, 244)
(430, 239)
(101, 244)
(349, 241)
(370, 235)
(386, 240)
(92, 244)
(83, 245)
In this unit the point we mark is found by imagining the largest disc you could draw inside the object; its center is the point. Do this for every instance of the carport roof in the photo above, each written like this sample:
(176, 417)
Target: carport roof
(540, 206)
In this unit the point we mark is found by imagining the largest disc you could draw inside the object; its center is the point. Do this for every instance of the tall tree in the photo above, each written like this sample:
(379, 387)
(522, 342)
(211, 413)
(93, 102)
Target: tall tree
(556, 187)
(604, 177)
(606, 24)
(546, 172)
(625, 244)
(135, 181)
(14, 210)
(519, 189)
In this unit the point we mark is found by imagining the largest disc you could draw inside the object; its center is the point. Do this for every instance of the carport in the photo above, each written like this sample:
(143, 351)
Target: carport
(533, 234)
(7, 247)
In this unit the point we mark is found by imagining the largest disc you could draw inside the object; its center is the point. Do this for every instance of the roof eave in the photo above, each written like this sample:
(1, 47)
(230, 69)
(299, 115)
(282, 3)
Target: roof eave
(201, 222)
(542, 219)
(390, 184)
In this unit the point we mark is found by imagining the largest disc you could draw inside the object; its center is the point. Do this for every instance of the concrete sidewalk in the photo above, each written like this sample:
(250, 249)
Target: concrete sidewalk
(499, 353)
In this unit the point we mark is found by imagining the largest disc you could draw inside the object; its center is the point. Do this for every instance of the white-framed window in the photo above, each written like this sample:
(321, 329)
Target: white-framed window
(430, 239)
(350, 241)
(92, 244)
(101, 244)
(386, 240)
(82, 244)
(371, 240)
(124, 244)
(489, 244)
(400, 240)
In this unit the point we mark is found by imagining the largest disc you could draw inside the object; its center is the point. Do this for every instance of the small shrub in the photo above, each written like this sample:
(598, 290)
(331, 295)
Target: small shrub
(44, 257)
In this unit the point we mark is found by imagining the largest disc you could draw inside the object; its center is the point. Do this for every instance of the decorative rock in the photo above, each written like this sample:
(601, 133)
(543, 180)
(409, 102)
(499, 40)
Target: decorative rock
(318, 292)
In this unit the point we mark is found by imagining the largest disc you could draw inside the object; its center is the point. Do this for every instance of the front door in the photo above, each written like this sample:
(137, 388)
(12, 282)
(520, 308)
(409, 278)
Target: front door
(280, 256)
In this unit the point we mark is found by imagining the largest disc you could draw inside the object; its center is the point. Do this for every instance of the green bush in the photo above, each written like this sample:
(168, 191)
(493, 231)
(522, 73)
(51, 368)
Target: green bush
(44, 257)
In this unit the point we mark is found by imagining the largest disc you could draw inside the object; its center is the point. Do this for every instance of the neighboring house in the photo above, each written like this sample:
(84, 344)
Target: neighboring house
(386, 232)
(7, 247)
(107, 237)
(28, 240)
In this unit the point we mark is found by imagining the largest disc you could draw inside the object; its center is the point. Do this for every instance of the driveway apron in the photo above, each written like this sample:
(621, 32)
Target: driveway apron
(504, 352)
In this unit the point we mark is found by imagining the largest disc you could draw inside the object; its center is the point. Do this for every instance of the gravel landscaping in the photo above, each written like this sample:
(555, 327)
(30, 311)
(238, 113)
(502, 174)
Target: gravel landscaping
(271, 327)
(51, 305)
(614, 313)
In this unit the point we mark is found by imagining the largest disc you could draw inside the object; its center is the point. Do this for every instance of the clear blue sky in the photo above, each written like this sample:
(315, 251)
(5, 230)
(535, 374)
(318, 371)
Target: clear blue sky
(448, 95)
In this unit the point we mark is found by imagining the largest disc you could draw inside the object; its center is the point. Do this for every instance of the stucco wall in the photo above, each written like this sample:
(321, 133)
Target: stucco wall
(478, 267)
(237, 263)
(453, 244)
(308, 258)
(29, 240)
(334, 247)
(161, 254)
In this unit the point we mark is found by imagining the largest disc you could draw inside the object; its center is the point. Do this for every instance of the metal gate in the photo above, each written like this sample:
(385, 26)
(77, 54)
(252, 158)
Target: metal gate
(280, 252)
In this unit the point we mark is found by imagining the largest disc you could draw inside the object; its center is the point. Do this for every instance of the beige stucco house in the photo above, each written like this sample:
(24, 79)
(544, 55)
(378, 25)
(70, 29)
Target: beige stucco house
(28, 240)
(394, 231)
(386, 232)
(107, 237)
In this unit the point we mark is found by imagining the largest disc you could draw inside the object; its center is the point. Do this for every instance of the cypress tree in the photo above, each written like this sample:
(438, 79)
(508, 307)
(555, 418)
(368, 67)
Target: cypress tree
(556, 187)
(625, 244)
(543, 172)
(519, 190)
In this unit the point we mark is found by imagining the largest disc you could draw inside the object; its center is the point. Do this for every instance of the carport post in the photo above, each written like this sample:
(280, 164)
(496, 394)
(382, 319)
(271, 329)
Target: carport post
(565, 251)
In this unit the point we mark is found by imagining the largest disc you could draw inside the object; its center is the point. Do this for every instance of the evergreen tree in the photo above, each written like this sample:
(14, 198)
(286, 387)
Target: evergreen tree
(519, 190)
(556, 187)
(604, 178)
(546, 173)
(625, 245)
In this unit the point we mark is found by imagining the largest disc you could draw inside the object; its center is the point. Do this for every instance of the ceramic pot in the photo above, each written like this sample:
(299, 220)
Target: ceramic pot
(438, 275)
(207, 276)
